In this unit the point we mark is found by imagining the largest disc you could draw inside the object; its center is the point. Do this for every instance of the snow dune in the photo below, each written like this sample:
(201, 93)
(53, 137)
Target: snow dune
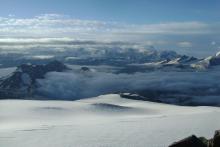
(104, 121)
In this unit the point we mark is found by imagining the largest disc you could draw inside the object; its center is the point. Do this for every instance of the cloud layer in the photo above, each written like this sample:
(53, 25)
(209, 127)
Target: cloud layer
(55, 29)
(201, 86)
(54, 24)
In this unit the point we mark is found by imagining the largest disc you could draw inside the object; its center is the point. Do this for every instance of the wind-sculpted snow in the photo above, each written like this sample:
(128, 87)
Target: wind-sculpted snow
(107, 120)
(201, 87)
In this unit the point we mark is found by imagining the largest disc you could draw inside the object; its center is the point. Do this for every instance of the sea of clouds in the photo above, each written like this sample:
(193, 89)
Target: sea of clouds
(200, 86)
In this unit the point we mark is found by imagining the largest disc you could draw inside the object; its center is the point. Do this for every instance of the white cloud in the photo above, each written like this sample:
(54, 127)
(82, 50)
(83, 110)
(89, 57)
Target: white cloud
(74, 85)
(50, 25)
(184, 44)
(38, 30)
(33, 40)
(42, 57)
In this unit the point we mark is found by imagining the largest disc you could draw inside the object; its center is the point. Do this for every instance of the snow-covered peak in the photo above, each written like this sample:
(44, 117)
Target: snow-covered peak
(208, 62)
(24, 78)
(218, 54)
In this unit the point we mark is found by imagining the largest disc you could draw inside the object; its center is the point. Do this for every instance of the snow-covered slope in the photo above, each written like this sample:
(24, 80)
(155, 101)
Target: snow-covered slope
(171, 64)
(208, 62)
(107, 120)
(6, 71)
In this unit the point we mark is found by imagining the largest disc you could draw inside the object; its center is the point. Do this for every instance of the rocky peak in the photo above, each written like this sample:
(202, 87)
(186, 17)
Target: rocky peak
(216, 139)
(55, 66)
(25, 76)
(193, 141)
(85, 69)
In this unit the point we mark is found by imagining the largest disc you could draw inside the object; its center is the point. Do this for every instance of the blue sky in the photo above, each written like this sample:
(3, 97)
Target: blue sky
(188, 26)
(130, 11)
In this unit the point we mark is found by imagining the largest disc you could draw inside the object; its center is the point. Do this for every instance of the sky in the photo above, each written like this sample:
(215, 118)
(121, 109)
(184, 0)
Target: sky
(188, 26)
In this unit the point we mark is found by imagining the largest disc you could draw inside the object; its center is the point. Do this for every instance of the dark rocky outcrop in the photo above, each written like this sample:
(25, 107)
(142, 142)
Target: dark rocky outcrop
(22, 82)
(191, 141)
(30, 72)
(84, 69)
(216, 139)
(194, 141)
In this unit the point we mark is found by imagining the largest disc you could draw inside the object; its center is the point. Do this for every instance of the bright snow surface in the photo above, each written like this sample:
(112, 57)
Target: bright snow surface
(104, 121)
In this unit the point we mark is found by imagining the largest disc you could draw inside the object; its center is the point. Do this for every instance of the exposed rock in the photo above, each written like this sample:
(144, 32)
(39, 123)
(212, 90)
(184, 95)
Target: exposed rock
(191, 141)
(55, 66)
(208, 62)
(216, 139)
(215, 61)
(85, 69)
(22, 81)
(204, 140)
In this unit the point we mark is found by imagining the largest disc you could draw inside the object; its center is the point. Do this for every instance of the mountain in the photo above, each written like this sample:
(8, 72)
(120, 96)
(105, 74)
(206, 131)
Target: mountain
(208, 62)
(188, 62)
(170, 83)
(180, 62)
(177, 62)
(118, 56)
(22, 82)
(90, 55)
(193, 141)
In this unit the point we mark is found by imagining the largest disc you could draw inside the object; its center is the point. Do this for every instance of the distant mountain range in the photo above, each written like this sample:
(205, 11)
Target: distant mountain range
(98, 55)
(114, 55)
(22, 82)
